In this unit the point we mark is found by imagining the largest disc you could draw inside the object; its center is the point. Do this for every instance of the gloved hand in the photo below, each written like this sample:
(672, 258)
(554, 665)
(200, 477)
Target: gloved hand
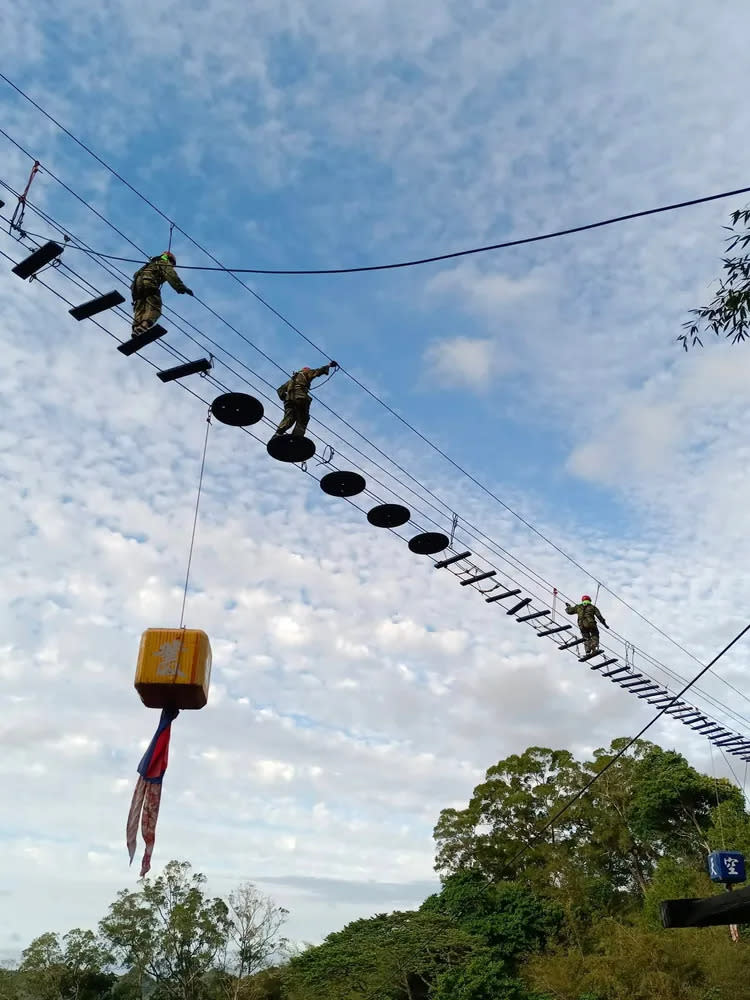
(605, 625)
(189, 291)
(333, 364)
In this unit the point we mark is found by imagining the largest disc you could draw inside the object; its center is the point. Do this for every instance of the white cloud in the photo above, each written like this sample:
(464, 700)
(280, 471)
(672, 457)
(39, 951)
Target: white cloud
(487, 292)
(355, 689)
(658, 429)
(465, 362)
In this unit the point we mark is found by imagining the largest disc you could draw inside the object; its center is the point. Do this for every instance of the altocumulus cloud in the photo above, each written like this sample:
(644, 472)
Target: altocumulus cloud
(355, 692)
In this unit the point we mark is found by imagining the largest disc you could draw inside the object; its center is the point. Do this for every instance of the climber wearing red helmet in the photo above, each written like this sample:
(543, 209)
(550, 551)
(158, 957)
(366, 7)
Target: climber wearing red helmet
(295, 395)
(588, 614)
(146, 289)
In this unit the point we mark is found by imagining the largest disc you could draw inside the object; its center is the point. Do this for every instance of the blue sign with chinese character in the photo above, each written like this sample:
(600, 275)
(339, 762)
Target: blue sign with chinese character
(726, 866)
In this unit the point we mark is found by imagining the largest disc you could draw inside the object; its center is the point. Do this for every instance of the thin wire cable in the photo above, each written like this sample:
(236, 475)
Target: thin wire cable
(220, 385)
(113, 272)
(195, 519)
(582, 791)
(718, 803)
(504, 554)
(399, 264)
(522, 241)
(490, 493)
(734, 773)
(398, 416)
(185, 388)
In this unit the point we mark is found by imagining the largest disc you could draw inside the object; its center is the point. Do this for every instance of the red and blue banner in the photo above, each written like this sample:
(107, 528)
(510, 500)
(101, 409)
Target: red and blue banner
(147, 795)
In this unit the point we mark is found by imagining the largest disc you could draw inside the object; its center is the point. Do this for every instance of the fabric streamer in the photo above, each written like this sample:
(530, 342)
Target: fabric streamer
(147, 794)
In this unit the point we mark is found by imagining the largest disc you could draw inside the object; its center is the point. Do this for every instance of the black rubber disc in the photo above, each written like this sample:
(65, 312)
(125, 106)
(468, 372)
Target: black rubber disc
(389, 515)
(428, 543)
(342, 484)
(237, 409)
(287, 448)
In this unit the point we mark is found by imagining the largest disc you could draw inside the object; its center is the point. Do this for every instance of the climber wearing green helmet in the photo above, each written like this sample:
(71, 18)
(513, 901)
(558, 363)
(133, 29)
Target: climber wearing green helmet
(146, 289)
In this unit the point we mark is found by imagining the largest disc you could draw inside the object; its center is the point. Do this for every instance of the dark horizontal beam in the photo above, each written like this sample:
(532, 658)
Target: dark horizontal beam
(573, 642)
(665, 697)
(718, 736)
(181, 371)
(704, 728)
(534, 614)
(589, 656)
(451, 559)
(44, 255)
(479, 577)
(501, 597)
(641, 686)
(599, 666)
(129, 347)
(683, 715)
(713, 911)
(726, 741)
(613, 673)
(552, 631)
(521, 604)
(607, 663)
(94, 306)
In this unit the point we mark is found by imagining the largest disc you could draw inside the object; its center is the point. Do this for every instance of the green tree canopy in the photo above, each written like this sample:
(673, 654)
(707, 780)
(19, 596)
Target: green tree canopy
(169, 931)
(79, 968)
(605, 848)
(395, 956)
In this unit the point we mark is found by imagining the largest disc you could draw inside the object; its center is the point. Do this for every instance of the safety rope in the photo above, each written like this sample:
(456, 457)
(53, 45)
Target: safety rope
(718, 804)
(17, 220)
(320, 384)
(454, 525)
(195, 519)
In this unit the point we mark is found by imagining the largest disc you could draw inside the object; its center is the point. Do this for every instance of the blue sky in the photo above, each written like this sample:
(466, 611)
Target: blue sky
(354, 690)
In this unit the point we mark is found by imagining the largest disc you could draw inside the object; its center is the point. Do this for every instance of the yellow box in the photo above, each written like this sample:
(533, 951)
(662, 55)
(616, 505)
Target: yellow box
(174, 668)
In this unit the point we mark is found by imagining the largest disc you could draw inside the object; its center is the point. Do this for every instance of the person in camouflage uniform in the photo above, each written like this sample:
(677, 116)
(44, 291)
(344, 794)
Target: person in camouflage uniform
(146, 290)
(295, 394)
(588, 614)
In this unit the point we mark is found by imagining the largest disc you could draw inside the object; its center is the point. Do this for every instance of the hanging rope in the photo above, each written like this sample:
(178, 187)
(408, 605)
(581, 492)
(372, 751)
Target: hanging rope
(454, 525)
(321, 384)
(195, 519)
(718, 804)
(17, 220)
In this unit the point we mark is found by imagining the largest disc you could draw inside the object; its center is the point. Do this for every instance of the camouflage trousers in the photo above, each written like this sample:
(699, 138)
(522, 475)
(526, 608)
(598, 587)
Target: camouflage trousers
(590, 635)
(146, 311)
(297, 413)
